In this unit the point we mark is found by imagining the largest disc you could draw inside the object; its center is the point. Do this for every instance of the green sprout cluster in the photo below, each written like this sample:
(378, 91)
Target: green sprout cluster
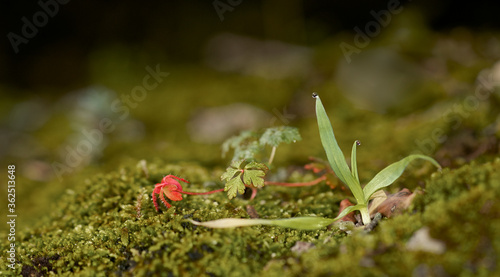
(348, 176)
(245, 170)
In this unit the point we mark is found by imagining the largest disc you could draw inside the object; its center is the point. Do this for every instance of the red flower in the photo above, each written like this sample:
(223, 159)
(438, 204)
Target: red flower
(169, 187)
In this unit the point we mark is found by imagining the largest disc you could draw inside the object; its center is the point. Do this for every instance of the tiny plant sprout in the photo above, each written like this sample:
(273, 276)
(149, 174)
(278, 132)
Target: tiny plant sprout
(348, 176)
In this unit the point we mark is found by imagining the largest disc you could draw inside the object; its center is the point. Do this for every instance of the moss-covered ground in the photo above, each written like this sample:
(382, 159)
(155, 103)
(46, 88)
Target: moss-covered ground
(99, 219)
(110, 227)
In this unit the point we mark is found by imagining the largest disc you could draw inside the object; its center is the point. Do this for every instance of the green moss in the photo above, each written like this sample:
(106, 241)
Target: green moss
(97, 230)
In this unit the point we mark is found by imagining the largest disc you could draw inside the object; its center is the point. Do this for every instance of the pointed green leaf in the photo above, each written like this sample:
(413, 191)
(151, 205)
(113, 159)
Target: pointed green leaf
(334, 153)
(354, 164)
(303, 223)
(389, 174)
(348, 210)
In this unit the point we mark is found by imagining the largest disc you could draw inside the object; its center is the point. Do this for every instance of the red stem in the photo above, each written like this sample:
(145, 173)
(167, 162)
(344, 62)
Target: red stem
(200, 193)
(306, 184)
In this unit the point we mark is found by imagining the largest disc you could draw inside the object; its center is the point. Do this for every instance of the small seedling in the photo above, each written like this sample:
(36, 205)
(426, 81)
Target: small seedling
(242, 174)
(244, 170)
(348, 176)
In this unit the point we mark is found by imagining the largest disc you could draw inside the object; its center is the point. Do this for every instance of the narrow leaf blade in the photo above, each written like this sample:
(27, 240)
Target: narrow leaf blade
(300, 223)
(334, 153)
(230, 222)
(389, 174)
(348, 210)
(354, 164)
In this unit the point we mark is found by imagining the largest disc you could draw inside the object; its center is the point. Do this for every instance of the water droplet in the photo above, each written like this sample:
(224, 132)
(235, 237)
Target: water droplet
(358, 143)
(315, 95)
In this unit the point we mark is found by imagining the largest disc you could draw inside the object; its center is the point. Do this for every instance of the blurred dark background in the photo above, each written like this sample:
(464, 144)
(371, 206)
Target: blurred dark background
(234, 65)
(61, 79)
(176, 31)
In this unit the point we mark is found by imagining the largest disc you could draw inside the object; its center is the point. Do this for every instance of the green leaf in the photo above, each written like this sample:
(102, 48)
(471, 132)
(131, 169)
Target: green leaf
(240, 174)
(234, 185)
(334, 153)
(254, 173)
(389, 174)
(245, 146)
(277, 135)
(348, 210)
(301, 223)
(354, 164)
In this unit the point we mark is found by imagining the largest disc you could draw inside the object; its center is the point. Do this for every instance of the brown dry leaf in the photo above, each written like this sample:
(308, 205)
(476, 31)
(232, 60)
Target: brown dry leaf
(377, 198)
(252, 212)
(395, 203)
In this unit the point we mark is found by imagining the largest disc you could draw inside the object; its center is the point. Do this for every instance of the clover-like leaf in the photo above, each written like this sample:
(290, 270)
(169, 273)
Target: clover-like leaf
(241, 174)
(254, 173)
(233, 180)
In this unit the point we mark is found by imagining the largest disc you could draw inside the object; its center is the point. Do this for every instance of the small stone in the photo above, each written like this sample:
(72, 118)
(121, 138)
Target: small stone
(301, 247)
(422, 241)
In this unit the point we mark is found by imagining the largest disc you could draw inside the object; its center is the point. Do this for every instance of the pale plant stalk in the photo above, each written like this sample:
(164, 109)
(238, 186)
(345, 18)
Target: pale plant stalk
(271, 157)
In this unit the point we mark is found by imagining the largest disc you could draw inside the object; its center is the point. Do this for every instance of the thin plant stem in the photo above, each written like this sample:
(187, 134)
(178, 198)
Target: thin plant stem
(254, 193)
(365, 216)
(271, 157)
(200, 193)
(305, 184)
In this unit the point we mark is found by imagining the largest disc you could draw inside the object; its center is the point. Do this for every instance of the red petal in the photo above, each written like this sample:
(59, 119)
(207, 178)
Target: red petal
(171, 191)
(169, 178)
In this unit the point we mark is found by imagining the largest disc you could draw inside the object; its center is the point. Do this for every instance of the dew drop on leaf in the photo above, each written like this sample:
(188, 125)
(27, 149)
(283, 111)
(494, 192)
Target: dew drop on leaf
(315, 95)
